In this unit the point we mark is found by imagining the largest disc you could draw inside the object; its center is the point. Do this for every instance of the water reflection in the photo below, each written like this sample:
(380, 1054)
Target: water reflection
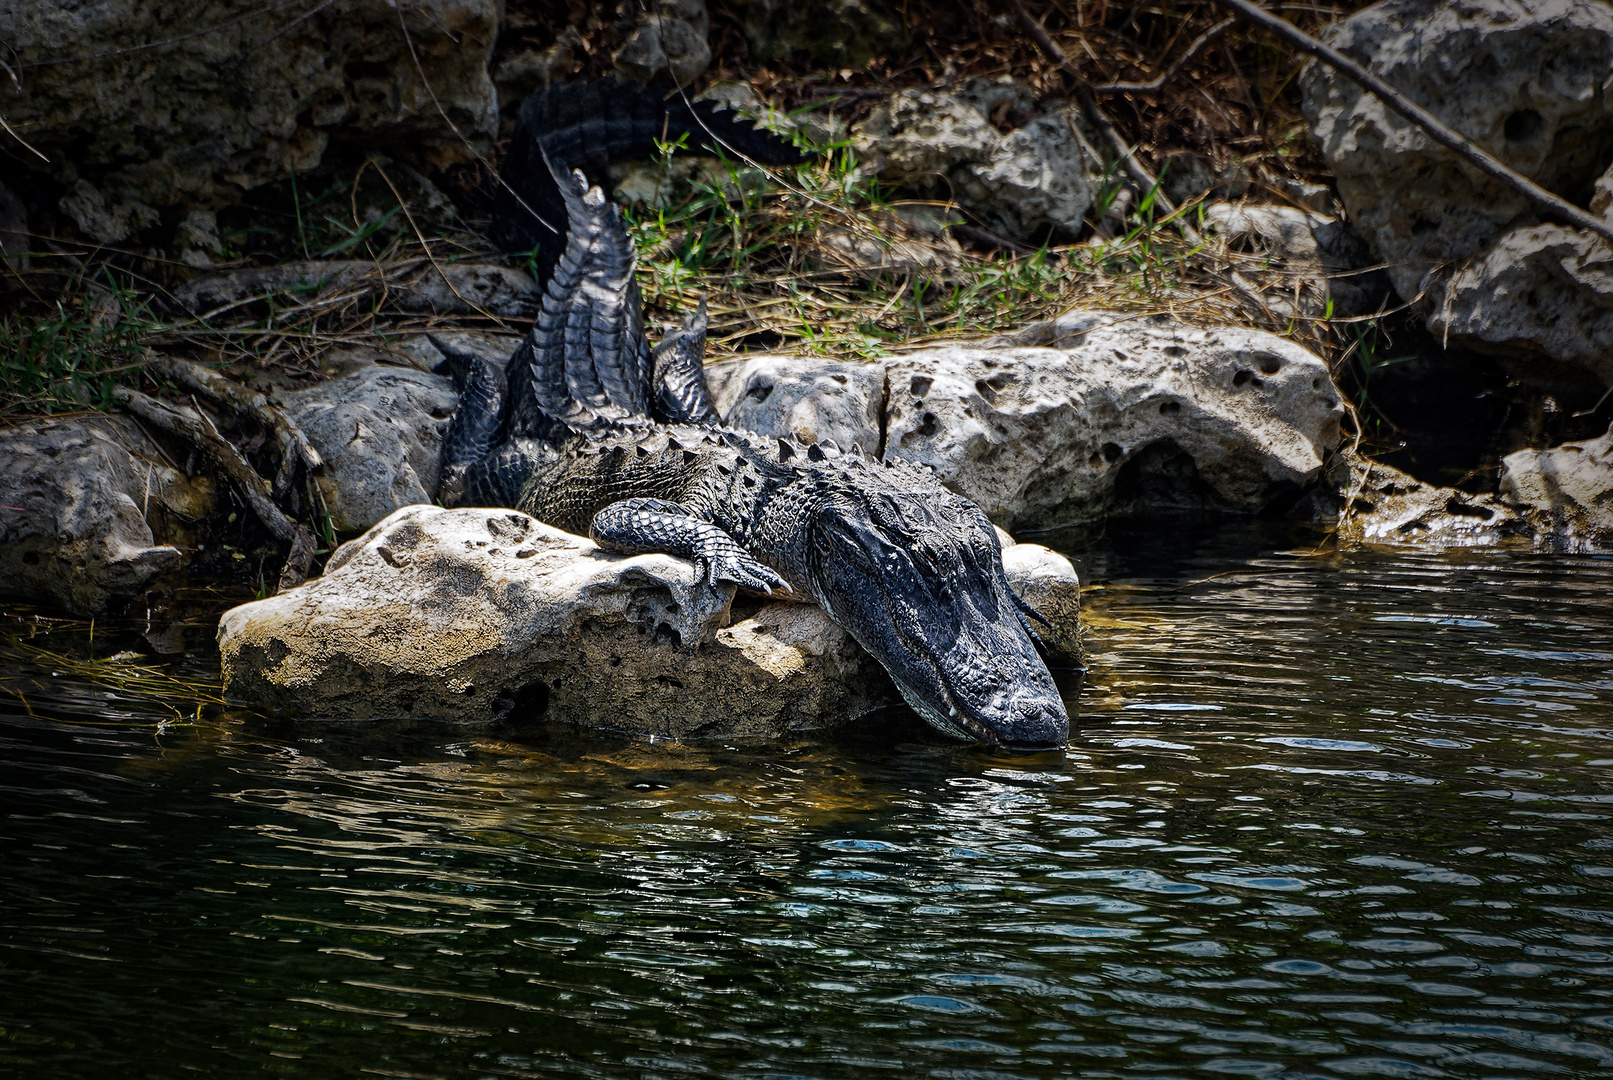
(1325, 816)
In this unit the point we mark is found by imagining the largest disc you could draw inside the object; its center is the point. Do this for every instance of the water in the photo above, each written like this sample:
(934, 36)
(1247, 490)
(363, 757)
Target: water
(1326, 815)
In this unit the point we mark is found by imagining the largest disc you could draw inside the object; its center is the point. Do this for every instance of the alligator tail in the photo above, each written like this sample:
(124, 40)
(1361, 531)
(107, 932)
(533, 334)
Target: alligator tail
(589, 126)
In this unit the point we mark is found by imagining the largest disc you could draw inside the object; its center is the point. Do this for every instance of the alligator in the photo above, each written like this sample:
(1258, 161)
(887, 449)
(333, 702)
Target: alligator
(587, 428)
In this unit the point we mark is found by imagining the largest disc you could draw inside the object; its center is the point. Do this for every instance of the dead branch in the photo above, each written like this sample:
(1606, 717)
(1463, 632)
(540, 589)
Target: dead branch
(1154, 85)
(1427, 121)
(295, 449)
(253, 488)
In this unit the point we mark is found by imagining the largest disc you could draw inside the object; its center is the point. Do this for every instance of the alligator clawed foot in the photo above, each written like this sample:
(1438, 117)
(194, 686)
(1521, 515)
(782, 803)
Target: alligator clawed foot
(746, 574)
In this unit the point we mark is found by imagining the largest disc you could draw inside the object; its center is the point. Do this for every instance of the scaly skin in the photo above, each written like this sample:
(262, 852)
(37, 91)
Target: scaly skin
(592, 431)
(911, 570)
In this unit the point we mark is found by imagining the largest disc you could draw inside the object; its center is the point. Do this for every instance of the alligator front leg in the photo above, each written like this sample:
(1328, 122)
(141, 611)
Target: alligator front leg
(638, 526)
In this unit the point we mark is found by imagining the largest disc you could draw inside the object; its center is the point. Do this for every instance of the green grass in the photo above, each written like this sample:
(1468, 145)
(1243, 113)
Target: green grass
(72, 358)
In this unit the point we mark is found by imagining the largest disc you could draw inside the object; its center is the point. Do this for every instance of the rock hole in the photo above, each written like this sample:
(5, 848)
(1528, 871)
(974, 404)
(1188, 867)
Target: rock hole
(1459, 508)
(366, 69)
(921, 385)
(525, 553)
(30, 558)
(759, 392)
(1168, 408)
(1242, 377)
(984, 390)
(927, 427)
(615, 661)
(524, 704)
(669, 681)
(1523, 125)
(841, 379)
(1112, 452)
(1362, 506)
(1270, 364)
(1316, 384)
(1175, 351)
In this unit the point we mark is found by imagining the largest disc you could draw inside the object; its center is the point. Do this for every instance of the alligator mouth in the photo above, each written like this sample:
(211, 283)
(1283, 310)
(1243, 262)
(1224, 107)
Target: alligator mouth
(1035, 727)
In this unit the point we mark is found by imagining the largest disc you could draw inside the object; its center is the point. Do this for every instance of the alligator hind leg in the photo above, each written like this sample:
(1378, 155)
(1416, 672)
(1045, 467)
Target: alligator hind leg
(639, 526)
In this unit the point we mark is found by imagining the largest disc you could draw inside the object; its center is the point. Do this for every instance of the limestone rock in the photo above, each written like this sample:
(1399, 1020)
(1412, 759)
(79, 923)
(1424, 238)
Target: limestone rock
(668, 41)
(380, 432)
(802, 398)
(480, 615)
(1539, 292)
(127, 100)
(80, 498)
(1107, 415)
(1319, 258)
(1384, 506)
(917, 134)
(1036, 179)
(1047, 581)
(1566, 491)
(1527, 80)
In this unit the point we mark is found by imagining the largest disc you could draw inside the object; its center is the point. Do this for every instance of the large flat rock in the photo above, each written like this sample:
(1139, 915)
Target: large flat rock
(476, 615)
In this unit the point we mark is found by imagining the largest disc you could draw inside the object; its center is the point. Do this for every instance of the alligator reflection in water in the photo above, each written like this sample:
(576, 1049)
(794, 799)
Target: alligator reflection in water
(1335, 815)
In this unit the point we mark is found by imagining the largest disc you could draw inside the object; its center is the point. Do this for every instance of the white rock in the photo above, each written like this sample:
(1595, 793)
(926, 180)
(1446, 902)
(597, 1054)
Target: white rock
(78, 499)
(808, 399)
(1383, 506)
(918, 134)
(480, 615)
(1567, 491)
(1528, 81)
(380, 432)
(1120, 415)
(1036, 178)
(1540, 292)
(1047, 581)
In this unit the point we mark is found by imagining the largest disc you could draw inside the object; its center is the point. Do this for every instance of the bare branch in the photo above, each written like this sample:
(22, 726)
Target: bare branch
(1427, 121)
(1155, 85)
(253, 488)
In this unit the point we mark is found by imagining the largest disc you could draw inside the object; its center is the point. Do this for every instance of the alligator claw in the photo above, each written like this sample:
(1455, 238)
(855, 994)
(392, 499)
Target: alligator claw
(745, 574)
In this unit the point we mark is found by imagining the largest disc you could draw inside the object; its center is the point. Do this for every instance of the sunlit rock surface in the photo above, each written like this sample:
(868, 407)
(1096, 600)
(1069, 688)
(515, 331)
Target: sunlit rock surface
(379, 429)
(1070, 420)
(1526, 80)
(83, 501)
(480, 615)
(1567, 491)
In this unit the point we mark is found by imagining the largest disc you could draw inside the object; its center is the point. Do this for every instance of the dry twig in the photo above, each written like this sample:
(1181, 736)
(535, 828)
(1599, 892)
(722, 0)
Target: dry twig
(253, 488)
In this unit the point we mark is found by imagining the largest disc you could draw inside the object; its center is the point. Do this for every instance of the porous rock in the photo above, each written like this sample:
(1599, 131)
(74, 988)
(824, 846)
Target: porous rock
(83, 501)
(1037, 179)
(1540, 292)
(1383, 506)
(1071, 419)
(379, 429)
(1567, 491)
(1528, 81)
(137, 112)
(668, 41)
(481, 615)
(1318, 260)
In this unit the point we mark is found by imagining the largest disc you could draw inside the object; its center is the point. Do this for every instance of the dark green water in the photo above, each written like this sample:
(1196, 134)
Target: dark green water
(1332, 816)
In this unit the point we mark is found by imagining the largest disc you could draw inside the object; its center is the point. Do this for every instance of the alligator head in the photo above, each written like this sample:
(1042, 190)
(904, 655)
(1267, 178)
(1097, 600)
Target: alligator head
(917, 578)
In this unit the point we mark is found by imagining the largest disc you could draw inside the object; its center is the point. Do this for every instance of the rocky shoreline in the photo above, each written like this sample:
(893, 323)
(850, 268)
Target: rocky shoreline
(1063, 421)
